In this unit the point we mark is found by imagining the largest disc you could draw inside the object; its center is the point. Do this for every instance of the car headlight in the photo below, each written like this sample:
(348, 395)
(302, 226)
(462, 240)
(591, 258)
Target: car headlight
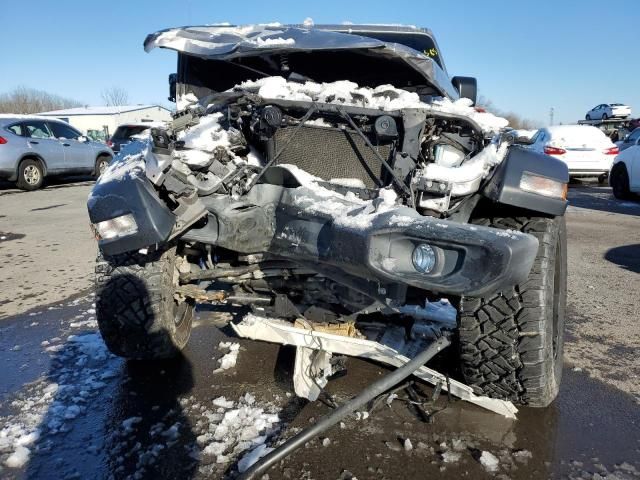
(424, 258)
(548, 187)
(116, 227)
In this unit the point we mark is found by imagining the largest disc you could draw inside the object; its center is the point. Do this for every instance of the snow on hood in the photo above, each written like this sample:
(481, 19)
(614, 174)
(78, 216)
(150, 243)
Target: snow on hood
(383, 97)
(231, 42)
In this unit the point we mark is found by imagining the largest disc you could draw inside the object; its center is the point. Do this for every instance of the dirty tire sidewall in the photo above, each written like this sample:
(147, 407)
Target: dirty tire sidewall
(511, 344)
(135, 307)
(30, 175)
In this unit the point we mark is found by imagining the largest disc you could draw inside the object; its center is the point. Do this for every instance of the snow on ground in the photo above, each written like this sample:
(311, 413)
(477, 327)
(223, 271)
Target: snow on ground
(235, 429)
(80, 366)
(228, 360)
(489, 461)
(383, 97)
(226, 430)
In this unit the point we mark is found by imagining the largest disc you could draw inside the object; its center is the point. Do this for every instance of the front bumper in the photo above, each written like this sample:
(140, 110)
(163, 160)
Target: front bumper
(368, 249)
(471, 260)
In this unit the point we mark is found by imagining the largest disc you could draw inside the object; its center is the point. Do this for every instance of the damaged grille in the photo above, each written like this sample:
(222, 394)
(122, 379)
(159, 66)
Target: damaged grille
(331, 153)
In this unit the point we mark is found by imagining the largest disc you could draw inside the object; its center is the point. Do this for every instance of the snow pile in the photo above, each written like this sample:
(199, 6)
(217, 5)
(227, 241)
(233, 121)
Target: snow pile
(467, 177)
(235, 428)
(489, 461)
(383, 97)
(203, 139)
(49, 406)
(229, 359)
(347, 210)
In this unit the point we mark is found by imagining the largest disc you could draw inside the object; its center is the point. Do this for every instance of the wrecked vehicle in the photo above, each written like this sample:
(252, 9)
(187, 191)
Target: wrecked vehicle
(330, 176)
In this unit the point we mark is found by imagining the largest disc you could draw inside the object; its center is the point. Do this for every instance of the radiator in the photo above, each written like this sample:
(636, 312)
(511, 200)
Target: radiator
(331, 153)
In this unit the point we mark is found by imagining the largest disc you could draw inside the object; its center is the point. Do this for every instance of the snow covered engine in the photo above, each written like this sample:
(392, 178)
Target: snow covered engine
(327, 174)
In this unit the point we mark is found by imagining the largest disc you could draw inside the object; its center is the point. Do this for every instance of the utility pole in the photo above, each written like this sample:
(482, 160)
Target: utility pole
(551, 116)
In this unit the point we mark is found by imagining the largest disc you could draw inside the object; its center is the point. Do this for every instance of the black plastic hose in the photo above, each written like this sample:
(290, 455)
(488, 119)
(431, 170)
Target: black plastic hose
(368, 394)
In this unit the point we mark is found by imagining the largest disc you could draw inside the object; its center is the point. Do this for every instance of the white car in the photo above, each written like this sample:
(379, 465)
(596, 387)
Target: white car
(625, 173)
(609, 110)
(586, 150)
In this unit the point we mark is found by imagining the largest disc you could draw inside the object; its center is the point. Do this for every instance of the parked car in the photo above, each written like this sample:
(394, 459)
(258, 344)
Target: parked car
(32, 148)
(124, 134)
(630, 140)
(586, 150)
(625, 173)
(608, 110)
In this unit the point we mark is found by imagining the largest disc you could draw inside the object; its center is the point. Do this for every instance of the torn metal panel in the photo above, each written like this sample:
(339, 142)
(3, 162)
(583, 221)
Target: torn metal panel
(277, 331)
(311, 371)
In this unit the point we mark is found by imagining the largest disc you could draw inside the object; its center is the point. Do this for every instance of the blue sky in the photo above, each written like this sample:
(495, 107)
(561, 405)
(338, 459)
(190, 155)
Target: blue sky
(527, 56)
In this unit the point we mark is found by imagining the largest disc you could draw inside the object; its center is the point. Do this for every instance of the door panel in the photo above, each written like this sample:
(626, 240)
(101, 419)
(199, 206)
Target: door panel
(77, 155)
(40, 140)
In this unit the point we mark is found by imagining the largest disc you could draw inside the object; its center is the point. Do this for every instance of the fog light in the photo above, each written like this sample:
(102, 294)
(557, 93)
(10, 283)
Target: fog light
(543, 186)
(116, 227)
(424, 258)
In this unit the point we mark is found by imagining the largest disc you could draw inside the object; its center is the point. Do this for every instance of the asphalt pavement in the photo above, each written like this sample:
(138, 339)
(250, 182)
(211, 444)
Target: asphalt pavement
(69, 409)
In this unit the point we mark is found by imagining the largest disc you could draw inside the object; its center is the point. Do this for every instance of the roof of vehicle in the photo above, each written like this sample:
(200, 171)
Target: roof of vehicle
(99, 110)
(228, 42)
(9, 117)
(142, 124)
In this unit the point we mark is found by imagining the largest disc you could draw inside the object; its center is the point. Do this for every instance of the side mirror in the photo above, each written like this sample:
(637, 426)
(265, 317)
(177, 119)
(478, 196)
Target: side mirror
(173, 80)
(84, 139)
(467, 87)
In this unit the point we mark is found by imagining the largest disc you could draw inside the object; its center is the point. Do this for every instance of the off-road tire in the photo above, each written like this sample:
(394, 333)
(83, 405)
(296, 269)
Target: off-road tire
(136, 311)
(620, 182)
(511, 343)
(26, 180)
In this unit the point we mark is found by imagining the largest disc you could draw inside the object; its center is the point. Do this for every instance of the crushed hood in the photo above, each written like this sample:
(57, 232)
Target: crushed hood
(231, 42)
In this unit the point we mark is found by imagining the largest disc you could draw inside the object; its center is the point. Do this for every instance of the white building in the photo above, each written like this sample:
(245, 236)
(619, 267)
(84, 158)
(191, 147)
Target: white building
(99, 123)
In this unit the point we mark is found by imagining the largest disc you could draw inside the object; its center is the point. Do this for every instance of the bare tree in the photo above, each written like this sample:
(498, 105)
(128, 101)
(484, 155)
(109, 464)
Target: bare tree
(24, 100)
(515, 120)
(114, 96)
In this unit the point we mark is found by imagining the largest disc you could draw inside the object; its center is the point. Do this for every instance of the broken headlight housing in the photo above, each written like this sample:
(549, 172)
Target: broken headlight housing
(116, 227)
(549, 187)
